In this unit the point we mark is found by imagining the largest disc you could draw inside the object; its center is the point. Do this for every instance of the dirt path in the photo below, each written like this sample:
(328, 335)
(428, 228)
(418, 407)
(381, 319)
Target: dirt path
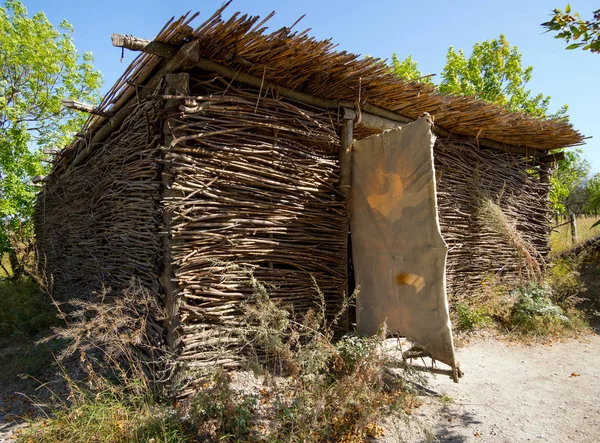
(510, 393)
(513, 393)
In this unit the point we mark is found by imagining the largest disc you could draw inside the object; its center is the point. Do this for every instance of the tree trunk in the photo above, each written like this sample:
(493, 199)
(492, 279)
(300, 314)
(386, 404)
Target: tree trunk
(15, 264)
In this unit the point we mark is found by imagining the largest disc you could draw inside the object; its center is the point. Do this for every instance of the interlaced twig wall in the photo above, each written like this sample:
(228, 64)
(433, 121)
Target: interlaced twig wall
(494, 216)
(99, 226)
(256, 181)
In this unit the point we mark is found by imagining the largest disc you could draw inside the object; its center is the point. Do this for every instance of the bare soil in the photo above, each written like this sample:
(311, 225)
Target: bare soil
(512, 393)
(509, 393)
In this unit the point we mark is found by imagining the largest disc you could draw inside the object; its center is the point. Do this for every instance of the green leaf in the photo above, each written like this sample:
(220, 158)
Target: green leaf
(39, 66)
(568, 8)
(573, 46)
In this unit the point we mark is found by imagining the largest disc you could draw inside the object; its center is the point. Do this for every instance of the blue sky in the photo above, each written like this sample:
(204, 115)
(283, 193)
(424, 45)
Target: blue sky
(423, 29)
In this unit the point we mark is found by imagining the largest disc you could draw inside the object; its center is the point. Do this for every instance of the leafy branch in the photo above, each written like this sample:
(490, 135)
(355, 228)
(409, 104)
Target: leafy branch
(584, 34)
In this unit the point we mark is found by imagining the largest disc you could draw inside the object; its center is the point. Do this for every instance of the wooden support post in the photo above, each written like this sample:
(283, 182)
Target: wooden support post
(573, 223)
(141, 44)
(84, 107)
(175, 84)
(545, 180)
(344, 186)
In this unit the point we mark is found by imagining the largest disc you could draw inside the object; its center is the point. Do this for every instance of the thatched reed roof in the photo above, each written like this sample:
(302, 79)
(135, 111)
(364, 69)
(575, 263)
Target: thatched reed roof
(297, 61)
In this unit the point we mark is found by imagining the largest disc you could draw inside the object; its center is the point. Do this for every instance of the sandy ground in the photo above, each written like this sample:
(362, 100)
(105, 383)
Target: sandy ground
(513, 393)
(509, 393)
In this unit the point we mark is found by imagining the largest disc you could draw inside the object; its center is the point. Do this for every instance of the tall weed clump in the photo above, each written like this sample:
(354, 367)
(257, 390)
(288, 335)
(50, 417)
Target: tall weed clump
(314, 388)
(112, 366)
(549, 306)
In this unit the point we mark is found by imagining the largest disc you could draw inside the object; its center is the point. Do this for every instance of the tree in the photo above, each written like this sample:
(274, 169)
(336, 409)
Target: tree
(494, 73)
(407, 69)
(39, 66)
(570, 175)
(572, 27)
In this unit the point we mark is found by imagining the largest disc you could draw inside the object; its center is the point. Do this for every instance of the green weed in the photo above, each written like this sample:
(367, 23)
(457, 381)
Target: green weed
(469, 318)
(25, 311)
(535, 313)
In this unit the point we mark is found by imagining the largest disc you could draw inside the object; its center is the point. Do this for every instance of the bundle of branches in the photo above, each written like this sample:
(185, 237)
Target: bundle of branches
(97, 224)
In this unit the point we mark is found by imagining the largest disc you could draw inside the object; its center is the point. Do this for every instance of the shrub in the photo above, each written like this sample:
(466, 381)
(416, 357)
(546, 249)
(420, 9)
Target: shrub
(219, 412)
(24, 310)
(116, 401)
(316, 388)
(535, 313)
(469, 318)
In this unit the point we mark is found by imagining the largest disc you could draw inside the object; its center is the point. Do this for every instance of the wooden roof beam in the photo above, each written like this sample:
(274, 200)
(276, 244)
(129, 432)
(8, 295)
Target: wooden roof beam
(185, 58)
(372, 117)
(85, 107)
(141, 44)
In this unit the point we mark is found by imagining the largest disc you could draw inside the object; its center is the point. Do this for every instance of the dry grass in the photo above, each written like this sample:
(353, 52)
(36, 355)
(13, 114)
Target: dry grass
(560, 239)
(315, 388)
(494, 217)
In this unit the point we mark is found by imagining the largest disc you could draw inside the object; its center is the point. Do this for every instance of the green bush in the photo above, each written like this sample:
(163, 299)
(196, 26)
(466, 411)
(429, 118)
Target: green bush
(219, 412)
(469, 318)
(534, 312)
(24, 310)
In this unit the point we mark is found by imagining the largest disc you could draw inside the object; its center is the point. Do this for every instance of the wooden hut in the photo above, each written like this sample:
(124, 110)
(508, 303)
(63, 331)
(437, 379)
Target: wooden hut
(225, 148)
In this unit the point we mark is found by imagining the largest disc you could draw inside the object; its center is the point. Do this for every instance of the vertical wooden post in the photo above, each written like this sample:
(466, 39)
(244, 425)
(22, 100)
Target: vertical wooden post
(175, 84)
(344, 186)
(573, 221)
(545, 180)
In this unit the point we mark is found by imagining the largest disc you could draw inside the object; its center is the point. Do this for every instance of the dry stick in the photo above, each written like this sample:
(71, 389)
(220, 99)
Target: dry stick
(85, 107)
(139, 44)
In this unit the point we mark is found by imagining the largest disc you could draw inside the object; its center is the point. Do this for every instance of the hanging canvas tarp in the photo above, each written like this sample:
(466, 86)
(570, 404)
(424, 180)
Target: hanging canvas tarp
(399, 253)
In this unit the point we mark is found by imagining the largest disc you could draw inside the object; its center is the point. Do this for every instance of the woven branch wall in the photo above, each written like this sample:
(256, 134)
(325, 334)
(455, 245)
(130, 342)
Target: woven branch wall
(99, 226)
(510, 241)
(254, 195)
(255, 191)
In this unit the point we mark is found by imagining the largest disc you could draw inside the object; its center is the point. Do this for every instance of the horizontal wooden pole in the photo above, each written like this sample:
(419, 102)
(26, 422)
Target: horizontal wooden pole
(552, 158)
(40, 179)
(372, 117)
(84, 107)
(140, 44)
(51, 151)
